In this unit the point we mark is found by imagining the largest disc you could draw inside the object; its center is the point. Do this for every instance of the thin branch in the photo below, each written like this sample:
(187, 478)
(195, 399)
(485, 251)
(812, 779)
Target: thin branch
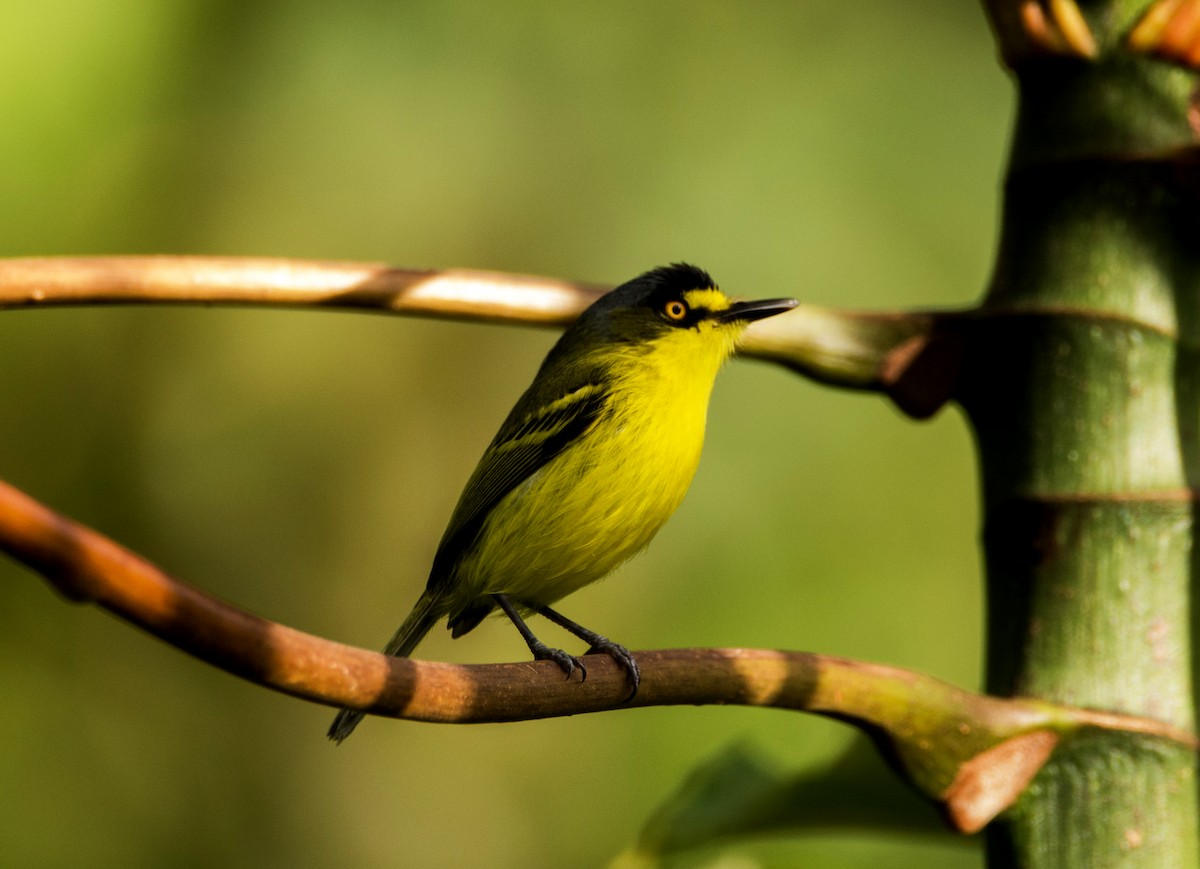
(264, 281)
(944, 739)
(866, 351)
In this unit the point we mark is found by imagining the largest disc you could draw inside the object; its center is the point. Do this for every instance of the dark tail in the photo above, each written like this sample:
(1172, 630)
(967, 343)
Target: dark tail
(419, 622)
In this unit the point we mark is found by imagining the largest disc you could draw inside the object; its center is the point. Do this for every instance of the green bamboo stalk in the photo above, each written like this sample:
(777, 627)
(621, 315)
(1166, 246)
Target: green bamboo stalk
(1080, 383)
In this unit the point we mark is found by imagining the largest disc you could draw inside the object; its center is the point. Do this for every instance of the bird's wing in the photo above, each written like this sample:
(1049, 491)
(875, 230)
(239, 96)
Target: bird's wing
(534, 433)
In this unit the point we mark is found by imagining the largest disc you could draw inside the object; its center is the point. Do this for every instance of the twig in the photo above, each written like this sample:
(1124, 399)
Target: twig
(265, 281)
(878, 352)
(945, 740)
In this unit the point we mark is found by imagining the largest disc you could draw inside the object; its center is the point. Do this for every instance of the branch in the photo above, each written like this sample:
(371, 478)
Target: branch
(892, 353)
(263, 281)
(971, 752)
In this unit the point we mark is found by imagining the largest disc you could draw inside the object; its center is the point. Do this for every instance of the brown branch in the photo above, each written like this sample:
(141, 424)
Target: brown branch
(890, 353)
(192, 280)
(945, 740)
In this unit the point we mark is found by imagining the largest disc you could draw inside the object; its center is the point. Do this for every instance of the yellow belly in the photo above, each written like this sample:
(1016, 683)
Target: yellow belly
(600, 501)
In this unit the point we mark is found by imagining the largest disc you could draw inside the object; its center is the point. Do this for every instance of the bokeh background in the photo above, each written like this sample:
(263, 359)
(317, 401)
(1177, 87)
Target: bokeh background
(303, 464)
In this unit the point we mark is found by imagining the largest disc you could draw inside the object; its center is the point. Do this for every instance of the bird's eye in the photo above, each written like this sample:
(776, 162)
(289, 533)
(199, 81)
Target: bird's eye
(675, 310)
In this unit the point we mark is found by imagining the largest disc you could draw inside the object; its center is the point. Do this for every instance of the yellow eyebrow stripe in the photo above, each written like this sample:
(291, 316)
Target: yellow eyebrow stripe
(710, 300)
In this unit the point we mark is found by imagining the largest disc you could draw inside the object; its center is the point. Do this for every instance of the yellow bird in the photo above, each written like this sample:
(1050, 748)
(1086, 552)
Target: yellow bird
(592, 460)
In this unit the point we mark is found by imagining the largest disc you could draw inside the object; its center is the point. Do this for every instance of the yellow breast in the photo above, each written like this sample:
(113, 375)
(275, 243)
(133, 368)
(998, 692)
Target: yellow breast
(603, 498)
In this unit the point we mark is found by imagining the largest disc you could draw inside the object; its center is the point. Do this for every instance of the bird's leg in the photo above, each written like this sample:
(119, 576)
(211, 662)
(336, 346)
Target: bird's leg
(598, 645)
(541, 652)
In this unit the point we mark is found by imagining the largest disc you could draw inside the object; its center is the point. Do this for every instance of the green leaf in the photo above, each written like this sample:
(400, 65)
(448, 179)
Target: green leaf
(742, 792)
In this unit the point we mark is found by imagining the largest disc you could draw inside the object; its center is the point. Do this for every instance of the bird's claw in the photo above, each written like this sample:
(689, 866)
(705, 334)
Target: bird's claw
(601, 646)
(567, 663)
(624, 658)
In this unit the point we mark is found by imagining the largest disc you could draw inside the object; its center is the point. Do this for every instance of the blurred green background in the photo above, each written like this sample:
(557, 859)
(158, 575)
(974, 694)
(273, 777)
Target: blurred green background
(303, 464)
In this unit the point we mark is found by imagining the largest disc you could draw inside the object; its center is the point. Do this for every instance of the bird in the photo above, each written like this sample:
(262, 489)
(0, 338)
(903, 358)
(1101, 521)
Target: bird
(590, 463)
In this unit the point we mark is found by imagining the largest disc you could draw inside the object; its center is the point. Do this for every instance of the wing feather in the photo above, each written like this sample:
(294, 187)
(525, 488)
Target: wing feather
(534, 433)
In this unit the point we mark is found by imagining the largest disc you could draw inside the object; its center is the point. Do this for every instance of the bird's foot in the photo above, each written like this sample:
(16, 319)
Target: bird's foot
(623, 657)
(568, 663)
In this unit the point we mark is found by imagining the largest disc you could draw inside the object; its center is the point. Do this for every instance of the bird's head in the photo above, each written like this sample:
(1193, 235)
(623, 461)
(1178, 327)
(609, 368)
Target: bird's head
(677, 309)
